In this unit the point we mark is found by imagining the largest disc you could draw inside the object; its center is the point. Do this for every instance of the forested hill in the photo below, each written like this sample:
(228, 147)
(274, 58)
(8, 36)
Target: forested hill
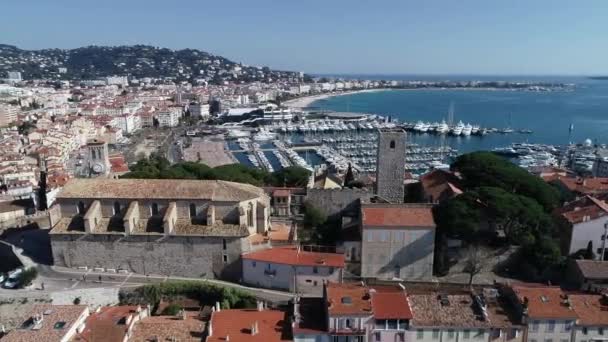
(137, 61)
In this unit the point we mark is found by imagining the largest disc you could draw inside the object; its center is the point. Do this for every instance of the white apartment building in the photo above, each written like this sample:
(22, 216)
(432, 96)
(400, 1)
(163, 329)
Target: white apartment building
(169, 117)
(199, 110)
(8, 114)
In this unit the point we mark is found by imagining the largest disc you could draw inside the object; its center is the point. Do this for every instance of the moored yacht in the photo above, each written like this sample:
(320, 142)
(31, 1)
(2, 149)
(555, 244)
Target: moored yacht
(457, 130)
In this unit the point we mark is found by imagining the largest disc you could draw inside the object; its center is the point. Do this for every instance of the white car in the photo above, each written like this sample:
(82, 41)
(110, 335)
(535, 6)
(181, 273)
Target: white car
(13, 279)
(2, 277)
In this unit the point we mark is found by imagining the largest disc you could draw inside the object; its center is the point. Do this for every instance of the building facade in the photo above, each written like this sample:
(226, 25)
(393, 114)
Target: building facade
(291, 268)
(171, 227)
(398, 241)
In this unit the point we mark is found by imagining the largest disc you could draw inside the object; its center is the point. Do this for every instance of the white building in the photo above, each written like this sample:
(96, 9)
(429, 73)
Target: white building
(199, 110)
(583, 222)
(546, 311)
(117, 80)
(14, 76)
(8, 114)
(290, 268)
(169, 117)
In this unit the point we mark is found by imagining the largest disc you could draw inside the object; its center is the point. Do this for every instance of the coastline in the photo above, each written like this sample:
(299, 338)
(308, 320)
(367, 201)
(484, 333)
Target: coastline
(306, 101)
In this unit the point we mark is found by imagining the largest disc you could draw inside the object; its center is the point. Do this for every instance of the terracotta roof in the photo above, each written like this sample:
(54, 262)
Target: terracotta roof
(348, 299)
(291, 255)
(272, 325)
(588, 186)
(584, 209)
(397, 215)
(103, 188)
(392, 304)
(592, 309)
(56, 323)
(109, 324)
(439, 182)
(166, 328)
(593, 269)
(544, 301)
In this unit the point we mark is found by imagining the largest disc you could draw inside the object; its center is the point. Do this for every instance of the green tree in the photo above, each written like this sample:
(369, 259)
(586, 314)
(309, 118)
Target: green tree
(292, 176)
(485, 169)
(313, 217)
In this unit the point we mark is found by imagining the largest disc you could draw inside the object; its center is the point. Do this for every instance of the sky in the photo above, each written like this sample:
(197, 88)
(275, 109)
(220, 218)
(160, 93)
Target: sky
(474, 37)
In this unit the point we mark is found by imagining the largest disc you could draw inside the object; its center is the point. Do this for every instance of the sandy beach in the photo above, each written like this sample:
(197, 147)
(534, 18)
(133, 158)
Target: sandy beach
(303, 102)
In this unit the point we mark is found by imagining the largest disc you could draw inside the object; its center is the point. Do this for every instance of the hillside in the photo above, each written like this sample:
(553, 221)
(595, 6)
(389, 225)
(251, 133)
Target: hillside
(138, 61)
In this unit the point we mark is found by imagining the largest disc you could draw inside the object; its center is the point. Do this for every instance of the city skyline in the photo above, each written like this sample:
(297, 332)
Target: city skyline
(390, 37)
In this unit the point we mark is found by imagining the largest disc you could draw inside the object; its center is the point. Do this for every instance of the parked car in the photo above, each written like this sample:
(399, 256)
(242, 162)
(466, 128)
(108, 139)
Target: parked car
(13, 279)
(2, 278)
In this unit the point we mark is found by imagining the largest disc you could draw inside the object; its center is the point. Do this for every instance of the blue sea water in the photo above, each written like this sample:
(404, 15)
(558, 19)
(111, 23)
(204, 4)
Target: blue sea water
(548, 114)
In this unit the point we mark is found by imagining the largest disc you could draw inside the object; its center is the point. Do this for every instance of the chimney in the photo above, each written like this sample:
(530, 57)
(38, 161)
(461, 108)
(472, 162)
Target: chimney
(184, 315)
(227, 338)
(260, 305)
(210, 326)
(254, 328)
(218, 308)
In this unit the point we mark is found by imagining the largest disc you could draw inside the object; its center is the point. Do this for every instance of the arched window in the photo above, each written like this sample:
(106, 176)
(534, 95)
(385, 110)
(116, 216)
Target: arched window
(392, 143)
(192, 210)
(250, 215)
(116, 208)
(154, 209)
(80, 208)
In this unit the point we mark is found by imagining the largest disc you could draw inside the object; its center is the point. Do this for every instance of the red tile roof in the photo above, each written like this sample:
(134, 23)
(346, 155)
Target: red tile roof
(291, 255)
(348, 299)
(236, 324)
(544, 301)
(109, 324)
(587, 186)
(591, 309)
(390, 304)
(584, 209)
(404, 215)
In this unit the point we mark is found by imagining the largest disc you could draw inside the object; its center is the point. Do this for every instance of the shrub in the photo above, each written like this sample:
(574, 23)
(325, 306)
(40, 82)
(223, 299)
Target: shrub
(27, 277)
(172, 310)
(206, 294)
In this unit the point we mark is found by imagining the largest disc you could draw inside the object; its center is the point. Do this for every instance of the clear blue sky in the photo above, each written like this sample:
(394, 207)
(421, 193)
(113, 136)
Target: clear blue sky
(522, 37)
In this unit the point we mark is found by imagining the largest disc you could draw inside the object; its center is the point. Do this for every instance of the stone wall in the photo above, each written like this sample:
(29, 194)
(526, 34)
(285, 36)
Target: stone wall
(337, 202)
(390, 166)
(151, 254)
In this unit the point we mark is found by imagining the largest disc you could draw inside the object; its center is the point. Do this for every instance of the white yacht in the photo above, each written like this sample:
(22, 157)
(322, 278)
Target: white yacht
(466, 131)
(263, 135)
(442, 128)
(457, 130)
(475, 129)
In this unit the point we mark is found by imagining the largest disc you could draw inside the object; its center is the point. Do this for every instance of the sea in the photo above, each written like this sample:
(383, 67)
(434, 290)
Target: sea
(548, 114)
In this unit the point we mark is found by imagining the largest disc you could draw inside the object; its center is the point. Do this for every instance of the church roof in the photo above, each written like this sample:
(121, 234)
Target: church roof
(169, 189)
